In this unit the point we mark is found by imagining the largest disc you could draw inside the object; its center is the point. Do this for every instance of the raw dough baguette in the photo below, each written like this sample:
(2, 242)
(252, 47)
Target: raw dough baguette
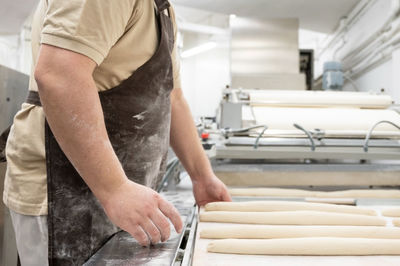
(392, 212)
(287, 231)
(273, 206)
(279, 192)
(307, 246)
(276, 192)
(338, 201)
(396, 222)
(291, 218)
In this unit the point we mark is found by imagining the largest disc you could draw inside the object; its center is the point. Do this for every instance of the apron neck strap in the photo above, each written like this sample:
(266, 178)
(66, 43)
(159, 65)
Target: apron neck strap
(162, 5)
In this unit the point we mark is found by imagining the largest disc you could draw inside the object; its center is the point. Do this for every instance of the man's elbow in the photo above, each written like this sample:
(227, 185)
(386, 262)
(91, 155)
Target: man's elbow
(177, 96)
(39, 78)
(43, 77)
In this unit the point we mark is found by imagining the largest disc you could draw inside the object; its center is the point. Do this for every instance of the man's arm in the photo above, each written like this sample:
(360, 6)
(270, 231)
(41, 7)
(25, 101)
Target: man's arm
(186, 144)
(71, 103)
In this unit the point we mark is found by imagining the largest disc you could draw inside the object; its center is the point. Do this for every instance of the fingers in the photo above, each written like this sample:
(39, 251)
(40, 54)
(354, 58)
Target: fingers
(162, 224)
(138, 233)
(171, 213)
(152, 231)
(226, 196)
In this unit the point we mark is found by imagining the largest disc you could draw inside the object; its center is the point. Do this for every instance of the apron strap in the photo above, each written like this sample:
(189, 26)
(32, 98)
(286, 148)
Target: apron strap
(162, 5)
(33, 98)
(3, 141)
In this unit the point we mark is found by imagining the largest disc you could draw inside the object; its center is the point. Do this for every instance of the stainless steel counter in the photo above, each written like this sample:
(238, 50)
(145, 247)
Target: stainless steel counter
(122, 249)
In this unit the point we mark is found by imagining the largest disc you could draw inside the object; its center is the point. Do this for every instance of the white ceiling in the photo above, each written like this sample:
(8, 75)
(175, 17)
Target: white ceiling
(13, 14)
(317, 15)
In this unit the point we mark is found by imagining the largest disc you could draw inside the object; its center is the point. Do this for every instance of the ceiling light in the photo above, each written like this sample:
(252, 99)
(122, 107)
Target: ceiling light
(199, 49)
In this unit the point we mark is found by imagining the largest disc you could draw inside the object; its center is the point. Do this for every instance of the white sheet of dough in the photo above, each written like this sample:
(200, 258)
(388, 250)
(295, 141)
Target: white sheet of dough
(391, 212)
(332, 246)
(327, 119)
(281, 192)
(287, 231)
(273, 206)
(291, 218)
(295, 98)
(396, 222)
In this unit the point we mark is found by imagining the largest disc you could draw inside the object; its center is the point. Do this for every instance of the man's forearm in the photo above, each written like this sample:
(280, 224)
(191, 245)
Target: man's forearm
(73, 111)
(185, 140)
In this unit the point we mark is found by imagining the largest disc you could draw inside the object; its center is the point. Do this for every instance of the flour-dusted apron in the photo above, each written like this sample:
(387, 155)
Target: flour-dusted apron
(137, 116)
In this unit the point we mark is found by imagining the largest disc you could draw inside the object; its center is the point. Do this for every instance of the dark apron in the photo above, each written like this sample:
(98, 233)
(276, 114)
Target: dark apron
(137, 116)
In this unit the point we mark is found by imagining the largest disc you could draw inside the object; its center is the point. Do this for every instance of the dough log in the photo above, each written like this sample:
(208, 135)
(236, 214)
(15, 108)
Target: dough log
(396, 222)
(291, 218)
(392, 212)
(307, 246)
(282, 231)
(272, 206)
(279, 192)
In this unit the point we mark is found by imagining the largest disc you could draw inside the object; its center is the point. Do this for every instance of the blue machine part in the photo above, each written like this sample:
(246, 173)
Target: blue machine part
(333, 78)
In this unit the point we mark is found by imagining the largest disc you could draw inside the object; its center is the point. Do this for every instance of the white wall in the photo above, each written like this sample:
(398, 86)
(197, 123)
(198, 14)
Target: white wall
(309, 39)
(205, 75)
(9, 46)
(15, 50)
(379, 77)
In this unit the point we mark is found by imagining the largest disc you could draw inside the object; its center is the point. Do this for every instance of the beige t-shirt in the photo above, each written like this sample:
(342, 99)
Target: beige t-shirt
(119, 36)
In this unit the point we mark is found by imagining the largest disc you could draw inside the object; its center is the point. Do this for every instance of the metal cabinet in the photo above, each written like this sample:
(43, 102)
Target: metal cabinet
(13, 91)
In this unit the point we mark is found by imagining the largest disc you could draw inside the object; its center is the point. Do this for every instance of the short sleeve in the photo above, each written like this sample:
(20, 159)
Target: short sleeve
(88, 27)
(175, 56)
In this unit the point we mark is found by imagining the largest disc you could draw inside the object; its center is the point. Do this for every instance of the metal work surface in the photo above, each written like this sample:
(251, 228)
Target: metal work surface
(202, 258)
(312, 167)
(315, 174)
(246, 141)
(122, 249)
(298, 152)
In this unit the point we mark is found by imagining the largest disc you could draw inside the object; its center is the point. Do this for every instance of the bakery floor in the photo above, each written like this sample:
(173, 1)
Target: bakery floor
(201, 257)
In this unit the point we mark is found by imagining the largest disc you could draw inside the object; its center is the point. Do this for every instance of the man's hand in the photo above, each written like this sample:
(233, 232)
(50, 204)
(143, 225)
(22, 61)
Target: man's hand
(142, 212)
(210, 189)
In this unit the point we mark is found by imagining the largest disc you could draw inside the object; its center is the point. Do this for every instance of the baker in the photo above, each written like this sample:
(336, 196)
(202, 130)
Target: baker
(90, 143)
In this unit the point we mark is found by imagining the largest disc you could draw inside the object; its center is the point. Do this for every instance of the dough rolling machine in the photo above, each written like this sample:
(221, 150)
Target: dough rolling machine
(315, 139)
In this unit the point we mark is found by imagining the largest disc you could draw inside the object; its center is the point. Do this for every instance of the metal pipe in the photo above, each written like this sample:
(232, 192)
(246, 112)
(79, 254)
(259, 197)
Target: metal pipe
(378, 54)
(381, 40)
(367, 138)
(345, 23)
(395, 10)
